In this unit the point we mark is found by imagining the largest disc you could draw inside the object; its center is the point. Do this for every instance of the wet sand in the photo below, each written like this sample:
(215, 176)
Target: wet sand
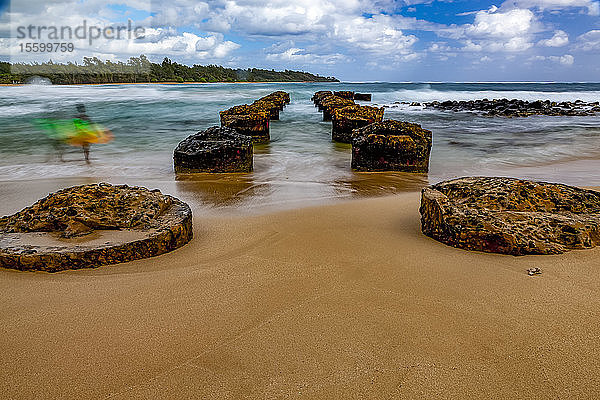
(340, 301)
(233, 194)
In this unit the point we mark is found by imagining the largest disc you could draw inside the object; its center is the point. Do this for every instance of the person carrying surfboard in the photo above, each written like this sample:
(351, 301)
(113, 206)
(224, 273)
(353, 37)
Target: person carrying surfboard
(79, 131)
(82, 116)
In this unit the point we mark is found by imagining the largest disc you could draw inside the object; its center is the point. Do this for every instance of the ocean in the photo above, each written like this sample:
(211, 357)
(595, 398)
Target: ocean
(301, 165)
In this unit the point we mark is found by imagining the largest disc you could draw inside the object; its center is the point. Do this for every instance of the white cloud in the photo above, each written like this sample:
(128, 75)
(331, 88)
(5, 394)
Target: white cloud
(439, 46)
(496, 30)
(324, 32)
(357, 25)
(472, 47)
(273, 18)
(376, 34)
(566, 60)
(394, 62)
(491, 23)
(165, 41)
(589, 41)
(186, 45)
(513, 45)
(559, 39)
(301, 56)
(591, 6)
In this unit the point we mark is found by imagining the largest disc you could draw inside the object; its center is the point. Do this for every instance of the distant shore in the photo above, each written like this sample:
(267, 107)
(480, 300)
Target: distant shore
(161, 83)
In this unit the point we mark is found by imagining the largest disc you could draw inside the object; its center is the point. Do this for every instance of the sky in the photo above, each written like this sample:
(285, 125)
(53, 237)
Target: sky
(353, 40)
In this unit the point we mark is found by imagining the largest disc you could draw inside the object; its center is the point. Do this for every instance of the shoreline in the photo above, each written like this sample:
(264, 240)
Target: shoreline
(225, 194)
(160, 83)
(347, 300)
(219, 196)
(340, 82)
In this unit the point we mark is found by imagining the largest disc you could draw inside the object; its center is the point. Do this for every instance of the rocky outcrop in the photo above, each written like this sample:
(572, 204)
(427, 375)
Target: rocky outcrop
(247, 120)
(362, 96)
(511, 216)
(59, 232)
(518, 108)
(344, 94)
(216, 149)
(391, 146)
(346, 119)
(330, 103)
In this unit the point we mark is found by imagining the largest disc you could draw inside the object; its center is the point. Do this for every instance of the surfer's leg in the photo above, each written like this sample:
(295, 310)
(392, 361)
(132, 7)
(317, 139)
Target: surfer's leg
(60, 147)
(86, 152)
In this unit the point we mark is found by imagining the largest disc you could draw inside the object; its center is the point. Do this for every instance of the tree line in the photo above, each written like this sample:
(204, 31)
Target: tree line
(140, 69)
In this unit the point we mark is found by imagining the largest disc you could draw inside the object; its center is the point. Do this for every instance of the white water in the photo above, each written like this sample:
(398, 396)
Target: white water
(301, 162)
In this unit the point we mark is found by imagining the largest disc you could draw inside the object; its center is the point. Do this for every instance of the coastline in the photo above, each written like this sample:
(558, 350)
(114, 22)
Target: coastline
(162, 83)
(347, 300)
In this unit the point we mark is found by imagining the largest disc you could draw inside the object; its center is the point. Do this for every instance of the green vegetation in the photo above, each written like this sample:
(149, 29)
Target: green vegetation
(140, 69)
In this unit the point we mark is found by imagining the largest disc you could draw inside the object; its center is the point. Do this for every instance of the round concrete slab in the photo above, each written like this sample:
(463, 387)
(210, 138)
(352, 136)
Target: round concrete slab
(93, 225)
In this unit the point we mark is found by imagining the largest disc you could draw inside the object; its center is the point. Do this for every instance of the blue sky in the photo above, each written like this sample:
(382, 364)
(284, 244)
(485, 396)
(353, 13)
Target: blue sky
(354, 40)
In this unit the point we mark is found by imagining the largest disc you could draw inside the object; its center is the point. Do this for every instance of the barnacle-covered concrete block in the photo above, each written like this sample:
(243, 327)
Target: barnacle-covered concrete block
(279, 98)
(281, 94)
(391, 146)
(216, 149)
(247, 120)
(272, 103)
(330, 103)
(320, 95)
(346, 119)
(93, 225)
(362, 96)
(268, 106)
(511, 216)
(344, 94)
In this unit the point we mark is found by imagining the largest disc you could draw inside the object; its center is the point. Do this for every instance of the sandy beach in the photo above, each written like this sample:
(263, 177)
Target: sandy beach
(339, 301)
(231, 200)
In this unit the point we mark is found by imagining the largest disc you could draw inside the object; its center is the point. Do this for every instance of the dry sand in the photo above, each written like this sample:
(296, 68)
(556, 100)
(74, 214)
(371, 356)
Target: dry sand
(334, 302)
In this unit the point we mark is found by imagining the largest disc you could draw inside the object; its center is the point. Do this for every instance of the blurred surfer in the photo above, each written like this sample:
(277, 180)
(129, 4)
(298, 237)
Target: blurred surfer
(81, 115)
(79, 132)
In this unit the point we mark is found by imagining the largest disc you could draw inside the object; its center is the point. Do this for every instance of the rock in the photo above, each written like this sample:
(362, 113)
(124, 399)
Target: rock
(346, 119)
(158, 224)
(391, 146)
(247, 120)
(534, 271)
(415, 104)
(330, 103)
(516, 108)
(511, 216)
(362, 96)
(214, 150)
(344, 94)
